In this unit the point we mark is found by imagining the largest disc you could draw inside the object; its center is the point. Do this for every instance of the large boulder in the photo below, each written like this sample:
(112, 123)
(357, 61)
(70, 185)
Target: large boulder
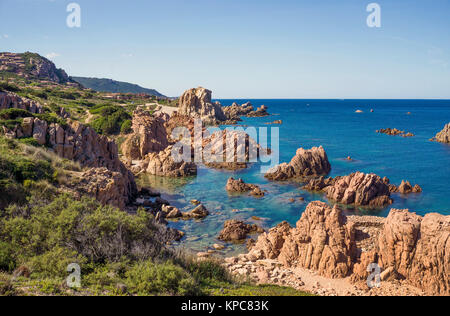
(40, 131)
(418, 249)
(305, 163)
(163, 164)
(197, 103)
(360, 189)
(239, 186)
(149, 135)
(108, 187)
(322, 241)
(444, 135)
(235, 231)
(404, 245)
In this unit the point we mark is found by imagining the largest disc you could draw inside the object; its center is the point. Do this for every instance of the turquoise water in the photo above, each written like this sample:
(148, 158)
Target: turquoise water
(342, 132)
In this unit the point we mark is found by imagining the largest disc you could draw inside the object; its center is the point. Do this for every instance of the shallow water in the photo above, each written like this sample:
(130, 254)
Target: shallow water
(342, 132)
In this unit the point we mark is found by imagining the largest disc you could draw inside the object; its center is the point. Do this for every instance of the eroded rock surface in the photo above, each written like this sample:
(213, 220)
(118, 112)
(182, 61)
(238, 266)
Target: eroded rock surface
(197, 103)
(239, 186)
(163, 164)
(306, 163)
(149, 135)
(406, 246)
(235, 231)
(444, 135)
(360, 189)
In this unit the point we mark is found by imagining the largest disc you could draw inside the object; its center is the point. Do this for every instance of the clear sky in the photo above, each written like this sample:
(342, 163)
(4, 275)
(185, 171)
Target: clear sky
(244, 48)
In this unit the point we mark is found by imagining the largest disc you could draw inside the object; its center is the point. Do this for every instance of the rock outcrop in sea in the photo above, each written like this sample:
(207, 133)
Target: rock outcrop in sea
(235, 231)
(395, 132)
(239, 186)
(405, 246)
(235, 111)
(444, 135)
(306, 163)
(360, 189)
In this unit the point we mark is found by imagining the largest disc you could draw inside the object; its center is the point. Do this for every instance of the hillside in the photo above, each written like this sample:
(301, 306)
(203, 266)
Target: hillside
(31, 66)
(109, 85)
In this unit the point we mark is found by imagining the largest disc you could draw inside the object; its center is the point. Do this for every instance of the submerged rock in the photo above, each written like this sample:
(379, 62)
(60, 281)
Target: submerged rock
(239, 186)
(394, 132)
(197, 213)
(235, 230)
(306, 163)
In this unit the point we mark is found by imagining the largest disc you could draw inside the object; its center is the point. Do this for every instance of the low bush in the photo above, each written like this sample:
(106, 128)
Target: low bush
(160, 279)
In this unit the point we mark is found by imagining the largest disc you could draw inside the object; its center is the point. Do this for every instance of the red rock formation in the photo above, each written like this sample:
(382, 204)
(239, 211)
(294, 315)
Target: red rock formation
(239, 186)
(235, 230)
(444, 135)
(306, 163)
(360, 189)
(197, 103)
(11, 100)
(163, 164)
(418, 249)
(107, 186)
(405, 245)
(149, 135)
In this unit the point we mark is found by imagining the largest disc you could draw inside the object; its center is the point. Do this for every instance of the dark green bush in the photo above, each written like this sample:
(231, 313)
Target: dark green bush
(126, 127)
(5, 86)
(12, 114)
(7, 262)
(110, 120)
(163, 279)
(98, 233)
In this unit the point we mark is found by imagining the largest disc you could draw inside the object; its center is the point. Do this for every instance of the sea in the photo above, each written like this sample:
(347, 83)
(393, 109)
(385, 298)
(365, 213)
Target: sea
(335, 125)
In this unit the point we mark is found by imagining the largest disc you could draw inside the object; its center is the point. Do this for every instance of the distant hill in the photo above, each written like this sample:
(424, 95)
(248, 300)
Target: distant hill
(32, 66)
(109, 85)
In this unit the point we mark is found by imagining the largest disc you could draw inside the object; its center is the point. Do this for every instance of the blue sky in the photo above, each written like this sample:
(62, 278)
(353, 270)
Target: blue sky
(245, 48)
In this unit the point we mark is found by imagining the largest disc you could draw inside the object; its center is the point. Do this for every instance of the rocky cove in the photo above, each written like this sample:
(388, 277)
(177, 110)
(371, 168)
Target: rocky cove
(327, 242)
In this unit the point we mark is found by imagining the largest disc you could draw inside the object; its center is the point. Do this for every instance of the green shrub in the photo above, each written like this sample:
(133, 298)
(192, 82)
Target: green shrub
(54, 263)
(30, 141)
(5, 86)
(12, 114)
(126, 127)
(7, 262)
(164, 279)
(110, 120)
(98, 233)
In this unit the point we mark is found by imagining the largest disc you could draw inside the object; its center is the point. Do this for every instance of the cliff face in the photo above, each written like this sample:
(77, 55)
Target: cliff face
(30, 65)
(115, 184)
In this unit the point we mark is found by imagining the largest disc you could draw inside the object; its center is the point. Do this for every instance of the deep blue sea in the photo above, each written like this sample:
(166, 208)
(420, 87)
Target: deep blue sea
(342, 132)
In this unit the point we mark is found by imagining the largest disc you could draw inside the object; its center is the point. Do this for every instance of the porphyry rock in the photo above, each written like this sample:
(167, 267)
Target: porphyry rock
(239, 186)
(360, 189)
(164, 164)
(149, 135)
(197, 103)
(235, 230)
(306, 163)
(444, 135)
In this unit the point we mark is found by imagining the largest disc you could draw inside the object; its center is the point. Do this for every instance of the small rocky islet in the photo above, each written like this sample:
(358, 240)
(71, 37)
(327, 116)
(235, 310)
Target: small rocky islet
(411, 250)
